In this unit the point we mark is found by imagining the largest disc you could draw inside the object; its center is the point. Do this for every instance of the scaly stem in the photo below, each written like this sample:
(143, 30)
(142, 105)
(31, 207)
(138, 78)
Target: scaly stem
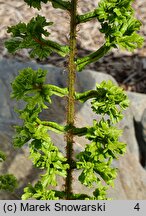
(93, 57)
(71, 105)
(86, 17)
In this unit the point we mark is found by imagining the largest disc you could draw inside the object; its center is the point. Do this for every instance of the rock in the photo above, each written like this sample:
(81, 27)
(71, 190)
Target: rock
(138, 104)
(4, 108)
(131, 181)
(138, 110)
(144, 63)
(143, 123)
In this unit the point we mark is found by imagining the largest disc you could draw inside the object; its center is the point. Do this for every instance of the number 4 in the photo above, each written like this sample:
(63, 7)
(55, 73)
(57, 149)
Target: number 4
(137, 207)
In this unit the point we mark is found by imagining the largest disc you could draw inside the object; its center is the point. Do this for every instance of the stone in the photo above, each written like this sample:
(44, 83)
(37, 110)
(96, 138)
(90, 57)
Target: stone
(143, 122)
(131, 180)
(138, 110)
(138, 104)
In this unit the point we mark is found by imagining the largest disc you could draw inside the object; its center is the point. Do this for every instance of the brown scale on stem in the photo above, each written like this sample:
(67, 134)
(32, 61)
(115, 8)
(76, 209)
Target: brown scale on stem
(71, 103)
(39, 42)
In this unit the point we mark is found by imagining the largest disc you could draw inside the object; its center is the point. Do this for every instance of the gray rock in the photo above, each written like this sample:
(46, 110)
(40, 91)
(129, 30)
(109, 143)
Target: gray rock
(138, 104)
(4, 108)
(138, 110)
(131, 181)
(143, 123)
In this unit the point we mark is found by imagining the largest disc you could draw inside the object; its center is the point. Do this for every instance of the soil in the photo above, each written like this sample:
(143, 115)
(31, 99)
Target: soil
(129, 69)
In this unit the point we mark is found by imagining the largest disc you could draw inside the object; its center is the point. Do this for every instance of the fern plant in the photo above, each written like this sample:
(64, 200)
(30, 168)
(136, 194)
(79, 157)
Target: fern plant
(119, 27)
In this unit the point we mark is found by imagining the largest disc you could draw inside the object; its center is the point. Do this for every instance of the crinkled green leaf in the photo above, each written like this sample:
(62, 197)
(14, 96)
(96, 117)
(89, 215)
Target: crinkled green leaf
(8, 182)
(28, 82)
(100, 193)
(96, 159)
(130, 42)
(111, 100)
(119, 24)
(65, 5)
(35, 3)
(38, 192)
(29, 86)
(88, 176)
(47, 156)
(21, 137)
(30, 36)
(2, 156)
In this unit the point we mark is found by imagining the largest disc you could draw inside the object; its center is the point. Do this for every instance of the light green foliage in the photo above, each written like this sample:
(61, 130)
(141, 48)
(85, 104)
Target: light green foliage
(96, 159)
(111, 100)
(29, 85)
(38, 192)
(47, 156)
(95, 162)
(118, 24)
(107, 99)
(99, 154)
